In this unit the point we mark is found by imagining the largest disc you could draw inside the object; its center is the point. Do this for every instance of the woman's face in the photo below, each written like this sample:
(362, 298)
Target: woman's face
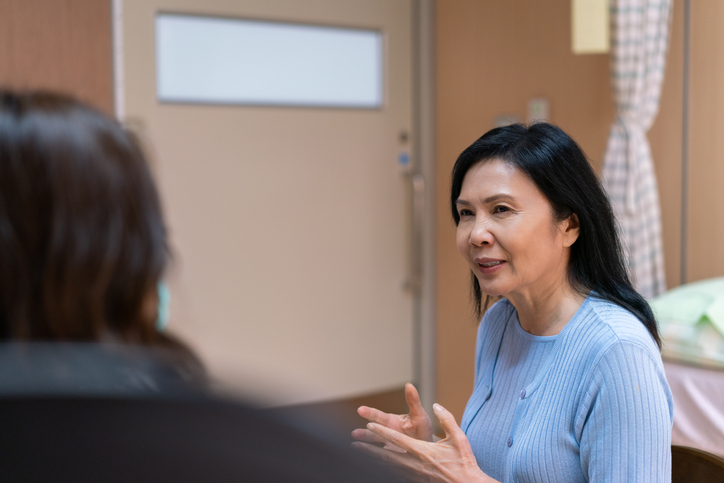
(508, 235)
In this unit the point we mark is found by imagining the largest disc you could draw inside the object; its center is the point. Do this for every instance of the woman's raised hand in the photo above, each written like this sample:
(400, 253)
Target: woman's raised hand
(416, 424)
(449, 460)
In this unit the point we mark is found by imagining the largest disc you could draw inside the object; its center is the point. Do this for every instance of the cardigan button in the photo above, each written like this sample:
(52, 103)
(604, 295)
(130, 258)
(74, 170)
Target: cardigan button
(510, 441)
(522, 394)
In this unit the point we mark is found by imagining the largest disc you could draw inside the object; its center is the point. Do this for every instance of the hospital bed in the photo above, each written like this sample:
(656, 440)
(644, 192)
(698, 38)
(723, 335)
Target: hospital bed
(691, 320)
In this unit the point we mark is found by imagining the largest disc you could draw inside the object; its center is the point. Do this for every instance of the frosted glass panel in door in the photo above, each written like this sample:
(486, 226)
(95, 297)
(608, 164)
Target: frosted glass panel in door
(226, 60)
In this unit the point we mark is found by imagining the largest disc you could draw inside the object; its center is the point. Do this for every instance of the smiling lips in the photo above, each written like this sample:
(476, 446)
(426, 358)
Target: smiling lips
(489, 265)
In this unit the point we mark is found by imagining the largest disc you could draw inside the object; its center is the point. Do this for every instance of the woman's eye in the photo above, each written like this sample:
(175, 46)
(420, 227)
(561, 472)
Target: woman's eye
(465, 213)
(500, 209)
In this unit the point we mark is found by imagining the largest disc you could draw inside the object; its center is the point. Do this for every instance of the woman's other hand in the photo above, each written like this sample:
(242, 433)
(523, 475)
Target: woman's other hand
(449, 460)
(416, 424)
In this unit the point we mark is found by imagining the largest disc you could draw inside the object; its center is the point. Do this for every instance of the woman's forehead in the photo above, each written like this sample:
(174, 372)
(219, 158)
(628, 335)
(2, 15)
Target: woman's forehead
(495, 176)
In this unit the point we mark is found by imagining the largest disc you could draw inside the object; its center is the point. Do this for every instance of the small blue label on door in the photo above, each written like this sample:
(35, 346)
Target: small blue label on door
(404, 159)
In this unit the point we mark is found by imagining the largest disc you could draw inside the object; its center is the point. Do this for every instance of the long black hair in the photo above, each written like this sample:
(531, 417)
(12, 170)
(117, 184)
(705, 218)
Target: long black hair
(560, 169)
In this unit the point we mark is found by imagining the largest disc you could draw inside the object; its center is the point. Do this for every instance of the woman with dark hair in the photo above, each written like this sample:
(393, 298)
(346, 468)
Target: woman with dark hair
(82, 238)
(569, 383)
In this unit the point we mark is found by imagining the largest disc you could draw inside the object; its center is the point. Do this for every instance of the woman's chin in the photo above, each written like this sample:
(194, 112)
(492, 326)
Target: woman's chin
(493, 291)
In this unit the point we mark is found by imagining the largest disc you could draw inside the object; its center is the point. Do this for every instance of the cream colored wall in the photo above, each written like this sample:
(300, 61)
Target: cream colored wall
(492, 57)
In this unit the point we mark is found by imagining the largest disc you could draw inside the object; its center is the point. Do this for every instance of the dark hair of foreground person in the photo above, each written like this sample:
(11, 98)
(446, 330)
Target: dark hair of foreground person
(82, 239)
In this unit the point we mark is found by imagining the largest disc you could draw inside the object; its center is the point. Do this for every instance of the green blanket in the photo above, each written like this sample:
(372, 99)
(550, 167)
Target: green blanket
(691, 320)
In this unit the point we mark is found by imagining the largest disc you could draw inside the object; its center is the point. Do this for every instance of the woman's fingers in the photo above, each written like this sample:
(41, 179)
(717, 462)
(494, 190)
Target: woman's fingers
(413, 402)
(367, 436)
(450, 459)
(375, 415)
(447, 421)
(417, 423)
(396, 438)
(391, 457)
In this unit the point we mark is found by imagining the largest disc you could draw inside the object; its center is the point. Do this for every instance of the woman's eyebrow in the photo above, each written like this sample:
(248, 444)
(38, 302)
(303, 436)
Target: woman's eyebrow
(498, 197)
(489, 199)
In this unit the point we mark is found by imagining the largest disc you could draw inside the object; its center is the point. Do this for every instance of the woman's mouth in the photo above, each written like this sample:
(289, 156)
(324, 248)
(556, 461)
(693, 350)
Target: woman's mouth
(490, 266)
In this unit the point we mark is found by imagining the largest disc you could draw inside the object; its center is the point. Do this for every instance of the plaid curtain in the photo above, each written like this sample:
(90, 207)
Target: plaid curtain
(639, 40)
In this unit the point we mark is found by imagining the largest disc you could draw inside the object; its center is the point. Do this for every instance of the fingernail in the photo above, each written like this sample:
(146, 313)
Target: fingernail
(370, 426)
(437, 407)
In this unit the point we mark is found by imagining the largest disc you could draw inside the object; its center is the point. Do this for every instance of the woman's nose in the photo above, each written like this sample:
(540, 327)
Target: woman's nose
(481, 234)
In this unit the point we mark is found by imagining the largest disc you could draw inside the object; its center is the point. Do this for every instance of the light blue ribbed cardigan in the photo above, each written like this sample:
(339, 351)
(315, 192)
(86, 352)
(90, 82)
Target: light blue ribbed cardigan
(589, 404)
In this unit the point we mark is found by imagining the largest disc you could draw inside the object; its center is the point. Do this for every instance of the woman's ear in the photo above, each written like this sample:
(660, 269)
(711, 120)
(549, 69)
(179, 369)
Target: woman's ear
(571, 229)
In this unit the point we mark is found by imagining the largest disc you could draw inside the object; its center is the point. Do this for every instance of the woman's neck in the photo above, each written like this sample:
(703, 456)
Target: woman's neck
(545, 312)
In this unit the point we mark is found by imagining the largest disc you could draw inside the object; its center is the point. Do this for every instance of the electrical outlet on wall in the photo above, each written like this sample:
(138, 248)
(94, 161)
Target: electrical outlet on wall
(538, 110)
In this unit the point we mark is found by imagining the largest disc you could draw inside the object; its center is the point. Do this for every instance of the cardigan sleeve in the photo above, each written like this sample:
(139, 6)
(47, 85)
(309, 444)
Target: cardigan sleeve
(626, 418)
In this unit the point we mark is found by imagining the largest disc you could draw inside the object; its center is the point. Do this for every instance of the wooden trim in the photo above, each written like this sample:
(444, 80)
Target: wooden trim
(692, 464)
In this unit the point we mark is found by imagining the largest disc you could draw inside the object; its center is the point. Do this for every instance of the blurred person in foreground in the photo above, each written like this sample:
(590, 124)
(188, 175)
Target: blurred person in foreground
(83, 251)
(90, 388)
(569, 382)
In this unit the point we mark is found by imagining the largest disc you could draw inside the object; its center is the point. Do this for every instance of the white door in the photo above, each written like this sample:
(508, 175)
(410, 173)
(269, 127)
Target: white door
(289, 226)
